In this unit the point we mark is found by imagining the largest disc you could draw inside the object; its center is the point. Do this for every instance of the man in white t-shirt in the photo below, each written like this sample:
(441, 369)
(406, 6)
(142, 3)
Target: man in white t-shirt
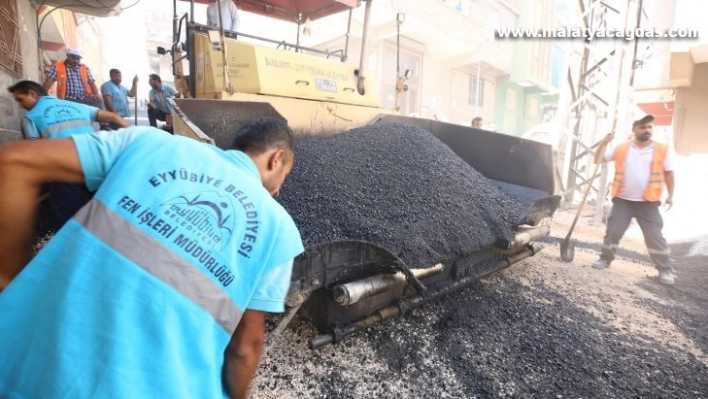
(229, 15)
(642, 168)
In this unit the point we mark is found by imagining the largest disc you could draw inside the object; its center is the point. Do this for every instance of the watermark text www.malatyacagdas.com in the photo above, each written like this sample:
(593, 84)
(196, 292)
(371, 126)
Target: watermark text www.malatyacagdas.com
(594, 34)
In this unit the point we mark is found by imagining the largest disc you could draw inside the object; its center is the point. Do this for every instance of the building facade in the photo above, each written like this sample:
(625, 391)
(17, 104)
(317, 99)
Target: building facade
(448, 47)
(18, 60)
(32, 39)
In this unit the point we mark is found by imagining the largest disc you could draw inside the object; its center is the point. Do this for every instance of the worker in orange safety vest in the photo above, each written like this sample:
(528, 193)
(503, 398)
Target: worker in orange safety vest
(642, 169)
(74, 81)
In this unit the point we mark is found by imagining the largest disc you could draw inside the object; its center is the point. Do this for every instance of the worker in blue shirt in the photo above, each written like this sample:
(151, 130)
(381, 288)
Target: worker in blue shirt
(161, 283)
(115, 96)
(158, 106)
(49, 117)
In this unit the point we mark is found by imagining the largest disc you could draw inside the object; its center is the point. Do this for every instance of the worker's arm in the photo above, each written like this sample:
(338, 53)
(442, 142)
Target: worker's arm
(602, 147)
(107, 93)
(669, 179)
(24, 166)
(48, 84)
(94, 89)
(51, 78)
(29, 129)
(110, 117)
(134, 87)
(92, 83)
(108, 102)
(243, 353)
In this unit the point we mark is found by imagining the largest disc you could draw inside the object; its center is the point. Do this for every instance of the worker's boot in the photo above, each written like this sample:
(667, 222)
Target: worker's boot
(601, 264)
(666, 277)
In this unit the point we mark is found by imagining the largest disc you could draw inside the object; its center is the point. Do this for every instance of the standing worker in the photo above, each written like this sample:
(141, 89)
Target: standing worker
(74, 81)
(642, 168)
(115, 96)
(49, 117)
(159, 287)
(229, 15)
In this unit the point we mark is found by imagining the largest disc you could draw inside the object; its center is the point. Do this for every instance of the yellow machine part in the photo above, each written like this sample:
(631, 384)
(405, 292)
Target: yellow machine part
(216, 120)
(259, 70)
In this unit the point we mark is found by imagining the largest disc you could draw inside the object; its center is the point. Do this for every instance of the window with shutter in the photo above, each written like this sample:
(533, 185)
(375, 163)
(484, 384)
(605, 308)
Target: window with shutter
(10, 49)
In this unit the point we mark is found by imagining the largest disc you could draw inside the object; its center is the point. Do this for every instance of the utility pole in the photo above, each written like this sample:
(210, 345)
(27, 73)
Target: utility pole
(596, 103)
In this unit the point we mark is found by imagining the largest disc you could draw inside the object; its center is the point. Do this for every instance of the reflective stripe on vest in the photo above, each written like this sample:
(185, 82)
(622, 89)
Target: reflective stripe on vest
(62, 80)
(655, 186)
(153, 257)
(66, 125)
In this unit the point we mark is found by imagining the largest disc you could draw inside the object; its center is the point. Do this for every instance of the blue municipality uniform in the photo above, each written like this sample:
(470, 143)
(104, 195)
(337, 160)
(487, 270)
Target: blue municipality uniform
(119, 94)
(54, 118)
(138, 295)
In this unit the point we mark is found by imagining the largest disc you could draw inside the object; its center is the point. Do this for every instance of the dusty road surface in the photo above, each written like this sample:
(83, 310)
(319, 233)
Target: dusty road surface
(541, 329)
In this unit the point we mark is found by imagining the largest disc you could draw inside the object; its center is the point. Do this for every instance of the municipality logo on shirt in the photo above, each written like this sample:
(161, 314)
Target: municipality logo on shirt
(207, 216)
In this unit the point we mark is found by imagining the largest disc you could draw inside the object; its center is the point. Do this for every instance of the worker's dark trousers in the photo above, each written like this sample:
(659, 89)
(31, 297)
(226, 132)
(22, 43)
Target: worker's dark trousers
(154, 114)
(66, 199)
(651, 223)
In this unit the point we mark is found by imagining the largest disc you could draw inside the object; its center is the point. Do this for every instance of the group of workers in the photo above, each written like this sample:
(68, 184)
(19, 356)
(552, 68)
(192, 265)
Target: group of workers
(169, 253)
(166, 257)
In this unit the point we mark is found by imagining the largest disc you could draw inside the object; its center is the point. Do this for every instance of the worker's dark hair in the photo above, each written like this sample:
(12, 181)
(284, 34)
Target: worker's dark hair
(262, 134)
(25, 86)
(643, 121)
(112, 71)
(155, 77)
(477, 119)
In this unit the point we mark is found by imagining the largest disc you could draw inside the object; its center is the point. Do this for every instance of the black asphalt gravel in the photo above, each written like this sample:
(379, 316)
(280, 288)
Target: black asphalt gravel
(502, 339)
(399, 187)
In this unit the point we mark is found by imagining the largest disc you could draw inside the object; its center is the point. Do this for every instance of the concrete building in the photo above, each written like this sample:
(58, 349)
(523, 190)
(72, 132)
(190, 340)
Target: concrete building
(459, 68)
(18, 60)
(688, 78)
(61, 29)
(31, 40)
(529, 95)
(448, 47)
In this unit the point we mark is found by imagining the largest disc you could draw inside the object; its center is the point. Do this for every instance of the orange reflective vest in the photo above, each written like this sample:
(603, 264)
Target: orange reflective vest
(62, 80)
(655, 187)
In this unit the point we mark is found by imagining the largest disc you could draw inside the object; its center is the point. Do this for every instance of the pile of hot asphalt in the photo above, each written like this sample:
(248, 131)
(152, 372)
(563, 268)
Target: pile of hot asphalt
(399, 187)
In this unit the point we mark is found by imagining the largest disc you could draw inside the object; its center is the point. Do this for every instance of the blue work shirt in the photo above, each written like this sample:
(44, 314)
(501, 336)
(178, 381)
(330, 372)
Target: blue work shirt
(54, 118)
(159, 98)
(138, 295)
(119, 95)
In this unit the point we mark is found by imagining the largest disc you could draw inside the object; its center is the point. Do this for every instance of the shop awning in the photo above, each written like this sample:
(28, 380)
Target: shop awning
(96, 8)
(663, 111)
(289, 10)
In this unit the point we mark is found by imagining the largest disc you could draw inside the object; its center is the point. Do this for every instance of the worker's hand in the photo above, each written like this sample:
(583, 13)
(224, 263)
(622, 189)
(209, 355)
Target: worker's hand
(607, 139)
(669, 203)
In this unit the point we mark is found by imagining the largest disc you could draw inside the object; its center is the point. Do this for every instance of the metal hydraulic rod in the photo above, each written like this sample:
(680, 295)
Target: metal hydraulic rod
(362, 59)
(530, 234)
(353, 292)
(401, 307)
